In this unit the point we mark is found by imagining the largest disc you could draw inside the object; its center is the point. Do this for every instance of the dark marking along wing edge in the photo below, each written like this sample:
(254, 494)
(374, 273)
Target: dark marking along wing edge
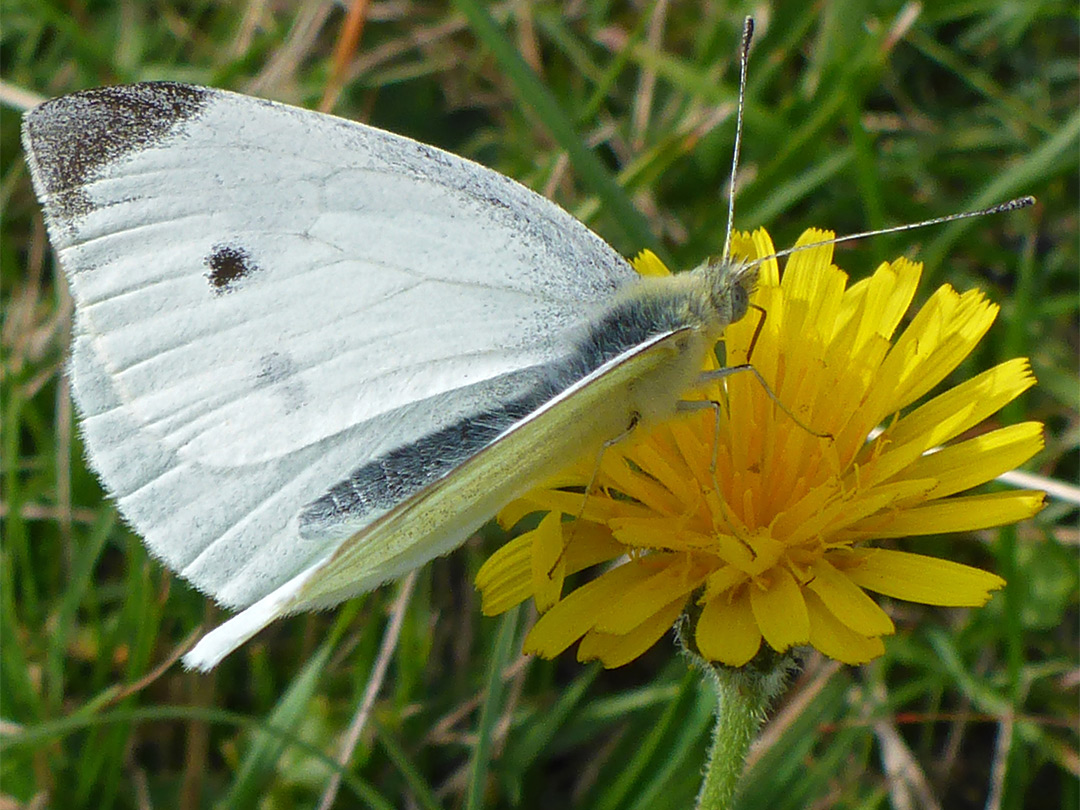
(69, 140)
(440, 517)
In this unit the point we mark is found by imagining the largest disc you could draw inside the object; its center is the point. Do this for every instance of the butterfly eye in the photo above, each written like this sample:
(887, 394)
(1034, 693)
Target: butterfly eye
(740, 302)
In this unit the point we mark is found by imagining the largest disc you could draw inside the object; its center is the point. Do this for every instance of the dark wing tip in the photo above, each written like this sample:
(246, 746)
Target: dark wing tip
(69, 139)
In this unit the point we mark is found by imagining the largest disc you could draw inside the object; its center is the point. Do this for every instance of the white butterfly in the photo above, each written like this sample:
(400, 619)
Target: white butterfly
(310, 355)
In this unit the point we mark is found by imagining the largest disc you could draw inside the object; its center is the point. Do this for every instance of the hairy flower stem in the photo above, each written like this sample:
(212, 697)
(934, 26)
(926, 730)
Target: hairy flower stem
(743, 696)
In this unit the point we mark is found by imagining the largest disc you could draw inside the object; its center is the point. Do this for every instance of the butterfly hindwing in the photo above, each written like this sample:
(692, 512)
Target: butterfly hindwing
(434, 519)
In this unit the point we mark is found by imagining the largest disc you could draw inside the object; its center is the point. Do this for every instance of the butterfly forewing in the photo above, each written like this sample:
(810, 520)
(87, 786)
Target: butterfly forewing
(269, 299)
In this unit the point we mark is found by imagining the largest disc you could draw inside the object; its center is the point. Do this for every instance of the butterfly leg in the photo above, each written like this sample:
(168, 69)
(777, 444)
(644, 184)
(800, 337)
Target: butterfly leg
(634, 420)
(714, 406)
(727, 371)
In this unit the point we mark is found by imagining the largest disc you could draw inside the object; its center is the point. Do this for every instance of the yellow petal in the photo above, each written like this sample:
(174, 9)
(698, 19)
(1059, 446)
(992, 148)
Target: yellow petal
(757, 245)
(743, 247)
(976, 461)
(780, 611)
(876, 305)
(592, 544)
(848, 602)
(597, 508)
(548, 565)
(642, 488)
(649, 596)
(977, 398)
(664, 468)
(648, 263)
(835, 639)
(616, 650)
(505, 579)
(944, 332)
(867, 404)
(727, 631)
(810, 277)
(959, 514)
(656, 532)
(941, 335)
(869, 505)
(890, 457)
(722, 580)
(802, 267)
(512, 514)
(670, 534)
(575, 615)
(916, 578)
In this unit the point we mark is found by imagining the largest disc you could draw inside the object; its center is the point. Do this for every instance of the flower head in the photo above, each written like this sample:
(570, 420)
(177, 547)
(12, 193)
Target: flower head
(764, 530)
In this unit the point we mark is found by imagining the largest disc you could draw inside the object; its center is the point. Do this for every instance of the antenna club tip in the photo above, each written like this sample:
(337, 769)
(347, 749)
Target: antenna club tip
(1013, 205)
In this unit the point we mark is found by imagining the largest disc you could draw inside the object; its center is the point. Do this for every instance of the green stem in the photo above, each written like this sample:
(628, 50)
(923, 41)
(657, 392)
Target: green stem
(743, 697)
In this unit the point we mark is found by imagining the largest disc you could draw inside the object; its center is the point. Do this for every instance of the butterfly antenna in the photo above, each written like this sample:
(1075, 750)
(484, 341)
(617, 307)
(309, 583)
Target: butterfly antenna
(1011, 205)
(744, 58)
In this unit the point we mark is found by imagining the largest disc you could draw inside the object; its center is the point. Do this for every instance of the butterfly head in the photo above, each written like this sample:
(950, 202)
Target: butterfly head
(729, 284)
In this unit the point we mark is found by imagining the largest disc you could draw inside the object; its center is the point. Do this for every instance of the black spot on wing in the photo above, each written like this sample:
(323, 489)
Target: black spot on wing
(70, 139)
(228, 264)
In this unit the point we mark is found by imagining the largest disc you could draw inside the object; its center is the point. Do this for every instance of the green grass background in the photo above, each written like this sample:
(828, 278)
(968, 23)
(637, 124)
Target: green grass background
(859, 115)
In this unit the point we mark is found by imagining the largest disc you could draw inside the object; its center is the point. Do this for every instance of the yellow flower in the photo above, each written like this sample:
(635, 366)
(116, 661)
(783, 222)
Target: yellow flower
(775, 544)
